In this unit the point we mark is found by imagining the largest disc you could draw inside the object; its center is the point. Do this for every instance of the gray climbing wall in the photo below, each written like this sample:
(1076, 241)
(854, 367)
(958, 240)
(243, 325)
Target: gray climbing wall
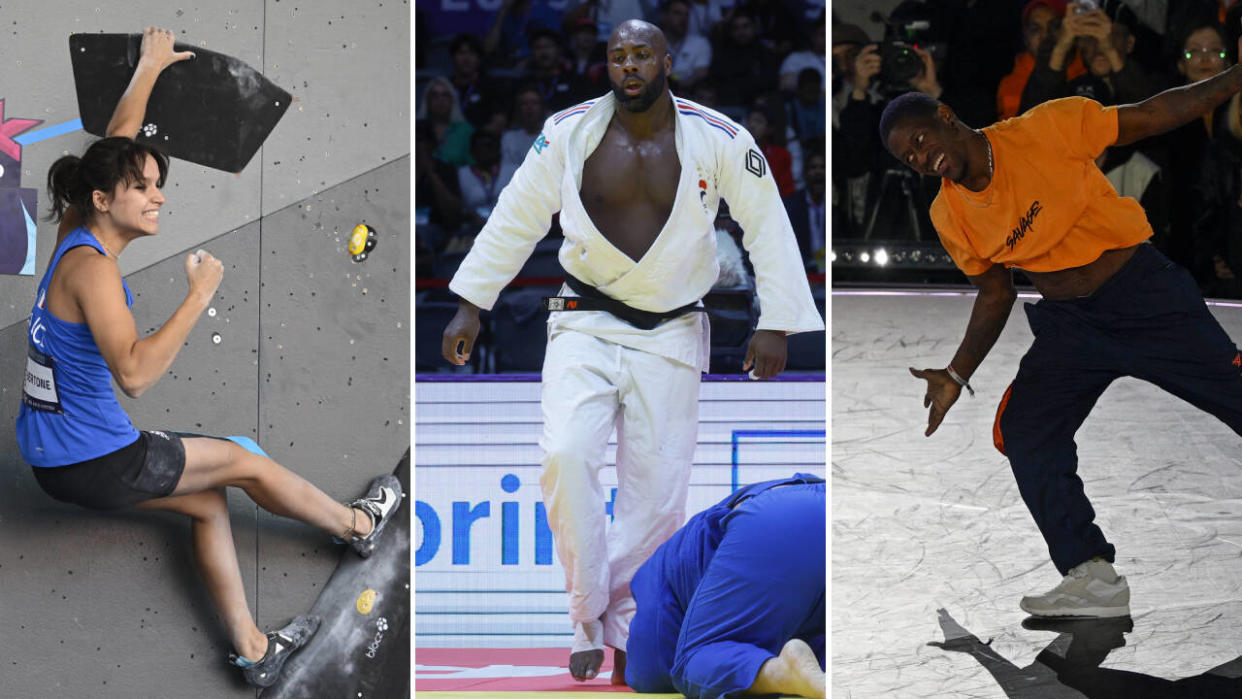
(304, 350)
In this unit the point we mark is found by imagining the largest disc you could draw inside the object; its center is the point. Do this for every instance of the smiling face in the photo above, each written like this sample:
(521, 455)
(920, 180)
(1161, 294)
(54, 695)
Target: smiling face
(930, 145)
(638, 63)
(134, 206)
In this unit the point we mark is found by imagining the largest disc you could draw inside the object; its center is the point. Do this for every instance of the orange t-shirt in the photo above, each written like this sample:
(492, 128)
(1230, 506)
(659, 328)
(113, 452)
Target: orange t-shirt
(1048, 207)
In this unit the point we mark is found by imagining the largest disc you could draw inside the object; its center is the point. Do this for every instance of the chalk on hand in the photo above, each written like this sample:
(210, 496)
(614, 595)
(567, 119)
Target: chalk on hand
(753, 376)
(198, 255)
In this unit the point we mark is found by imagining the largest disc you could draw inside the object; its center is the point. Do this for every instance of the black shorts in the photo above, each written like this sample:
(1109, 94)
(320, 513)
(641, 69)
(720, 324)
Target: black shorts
(148, 468)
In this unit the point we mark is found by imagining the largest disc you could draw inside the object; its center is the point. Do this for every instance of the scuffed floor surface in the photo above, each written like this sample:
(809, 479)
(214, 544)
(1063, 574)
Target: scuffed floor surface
(932, 546)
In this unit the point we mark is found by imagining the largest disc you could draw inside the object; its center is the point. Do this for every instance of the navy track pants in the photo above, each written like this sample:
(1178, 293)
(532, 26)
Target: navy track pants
(1148, 321)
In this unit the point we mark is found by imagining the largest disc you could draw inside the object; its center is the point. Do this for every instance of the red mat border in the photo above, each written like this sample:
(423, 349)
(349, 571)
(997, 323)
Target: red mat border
(519, 657)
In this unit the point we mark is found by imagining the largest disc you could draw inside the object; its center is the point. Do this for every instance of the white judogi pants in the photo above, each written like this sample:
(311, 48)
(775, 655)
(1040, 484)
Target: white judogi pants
(590, 384)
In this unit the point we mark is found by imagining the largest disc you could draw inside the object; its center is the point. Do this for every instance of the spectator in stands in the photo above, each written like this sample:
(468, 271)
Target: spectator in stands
(769, 139)
(1109, 57)
(776, 26)
(804, 112)
(1041, 20)
(1219, 224)
(586, 58)
(812, 57)
(1220, 221)
(848, 41)
(706, 15)
(481, 182)
(528, 116)
(476, 93)
(551, 74)
(440, 109)
(806, 208)
(1104, 46)
(742, 67)
(496, 124)
(436, 188)
(692, 54)
(705, 93)
(508, 40)
(850, 174)
(607, 14)
(1185, 16)
(1203, 54)
(1131, 172)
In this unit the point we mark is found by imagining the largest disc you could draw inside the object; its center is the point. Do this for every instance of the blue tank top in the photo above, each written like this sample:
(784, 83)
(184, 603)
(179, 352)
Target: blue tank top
(69, 411)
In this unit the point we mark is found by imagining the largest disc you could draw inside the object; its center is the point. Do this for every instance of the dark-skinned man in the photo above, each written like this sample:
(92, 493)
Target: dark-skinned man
(637, 176)
(1025, 193)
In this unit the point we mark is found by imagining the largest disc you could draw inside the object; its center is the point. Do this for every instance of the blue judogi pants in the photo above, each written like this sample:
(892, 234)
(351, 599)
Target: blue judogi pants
(1148, 321)
(728, 590)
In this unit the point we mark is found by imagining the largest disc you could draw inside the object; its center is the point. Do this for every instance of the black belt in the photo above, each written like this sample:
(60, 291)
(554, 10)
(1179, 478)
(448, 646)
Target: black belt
(591, 299)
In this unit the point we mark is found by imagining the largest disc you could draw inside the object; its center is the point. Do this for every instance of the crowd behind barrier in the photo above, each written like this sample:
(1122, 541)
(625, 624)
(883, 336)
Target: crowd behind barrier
(993, 61)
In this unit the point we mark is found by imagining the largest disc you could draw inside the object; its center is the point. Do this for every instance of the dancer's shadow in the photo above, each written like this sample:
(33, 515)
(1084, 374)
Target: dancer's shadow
(1070, 665)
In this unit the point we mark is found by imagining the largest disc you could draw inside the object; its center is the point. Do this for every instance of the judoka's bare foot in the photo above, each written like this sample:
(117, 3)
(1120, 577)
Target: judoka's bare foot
(618, 666)
(585, 664)
(794, 671)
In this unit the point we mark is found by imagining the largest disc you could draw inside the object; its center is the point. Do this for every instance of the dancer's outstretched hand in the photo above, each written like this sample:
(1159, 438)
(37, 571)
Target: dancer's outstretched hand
(942, 393)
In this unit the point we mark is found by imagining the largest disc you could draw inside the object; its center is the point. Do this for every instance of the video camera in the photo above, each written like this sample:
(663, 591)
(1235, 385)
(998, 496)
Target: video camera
(911, 24)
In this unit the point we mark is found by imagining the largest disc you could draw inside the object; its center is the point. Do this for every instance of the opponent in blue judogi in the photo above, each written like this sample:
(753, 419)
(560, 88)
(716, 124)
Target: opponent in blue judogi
(729, 589)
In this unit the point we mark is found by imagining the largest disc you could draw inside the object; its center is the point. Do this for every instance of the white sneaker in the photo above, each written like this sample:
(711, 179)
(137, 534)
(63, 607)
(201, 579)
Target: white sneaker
(1091, 589)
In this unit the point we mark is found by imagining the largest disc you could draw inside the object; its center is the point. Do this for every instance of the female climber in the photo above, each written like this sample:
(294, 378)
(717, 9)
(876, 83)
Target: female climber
(72, 430)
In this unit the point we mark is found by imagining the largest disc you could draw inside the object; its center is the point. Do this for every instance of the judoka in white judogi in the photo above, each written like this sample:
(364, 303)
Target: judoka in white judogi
(599, 370)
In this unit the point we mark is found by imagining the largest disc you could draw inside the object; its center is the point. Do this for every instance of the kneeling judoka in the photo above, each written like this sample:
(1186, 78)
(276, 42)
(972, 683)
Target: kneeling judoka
(733, 603)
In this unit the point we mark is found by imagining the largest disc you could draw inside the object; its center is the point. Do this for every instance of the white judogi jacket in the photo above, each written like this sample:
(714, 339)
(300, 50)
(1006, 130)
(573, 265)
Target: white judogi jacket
(718, 159)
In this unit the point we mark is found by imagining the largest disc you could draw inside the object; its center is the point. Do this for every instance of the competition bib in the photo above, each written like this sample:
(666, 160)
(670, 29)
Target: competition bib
(39, 391)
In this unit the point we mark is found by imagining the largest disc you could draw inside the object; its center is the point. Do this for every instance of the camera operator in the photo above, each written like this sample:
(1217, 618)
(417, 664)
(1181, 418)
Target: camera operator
(1105, 47)
(1040, 20)
(878, 73)
(849, 174)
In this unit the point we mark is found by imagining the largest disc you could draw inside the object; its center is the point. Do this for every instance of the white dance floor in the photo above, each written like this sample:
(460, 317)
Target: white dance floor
(931, 541)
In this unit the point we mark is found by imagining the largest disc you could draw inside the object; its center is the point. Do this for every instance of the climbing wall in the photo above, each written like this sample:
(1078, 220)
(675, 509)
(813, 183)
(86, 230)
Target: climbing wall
(303, 348)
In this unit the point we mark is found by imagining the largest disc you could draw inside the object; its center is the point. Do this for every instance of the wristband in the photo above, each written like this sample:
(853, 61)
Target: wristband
(960, 381)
